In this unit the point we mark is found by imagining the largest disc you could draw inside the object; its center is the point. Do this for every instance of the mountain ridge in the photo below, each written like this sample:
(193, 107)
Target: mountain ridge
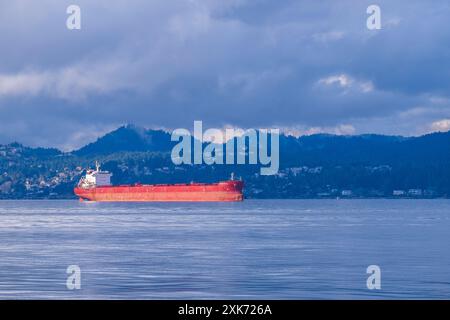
(313, 166)
(133, 138)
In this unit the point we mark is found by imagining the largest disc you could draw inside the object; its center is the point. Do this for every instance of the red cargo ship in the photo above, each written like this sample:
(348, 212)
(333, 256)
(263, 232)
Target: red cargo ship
(96, 186)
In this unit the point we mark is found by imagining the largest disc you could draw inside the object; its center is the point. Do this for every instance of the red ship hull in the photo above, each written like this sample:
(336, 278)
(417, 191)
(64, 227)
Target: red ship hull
(197, 192)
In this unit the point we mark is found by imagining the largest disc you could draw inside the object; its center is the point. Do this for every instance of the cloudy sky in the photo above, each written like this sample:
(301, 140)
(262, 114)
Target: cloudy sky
(305, 66)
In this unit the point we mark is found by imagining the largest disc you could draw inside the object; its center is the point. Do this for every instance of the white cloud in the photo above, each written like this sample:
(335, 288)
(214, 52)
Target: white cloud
(342, 80)
(441, 125)
(341, 129)
(68, 83)
(23, 83)
(366, 86)
(346, 81)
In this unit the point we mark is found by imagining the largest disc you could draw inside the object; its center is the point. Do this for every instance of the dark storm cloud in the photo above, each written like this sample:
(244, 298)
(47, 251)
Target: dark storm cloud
(306, 66)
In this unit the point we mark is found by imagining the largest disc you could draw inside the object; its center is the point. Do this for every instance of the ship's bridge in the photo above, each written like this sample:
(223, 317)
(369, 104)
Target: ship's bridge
(98, 178)
(95, 178)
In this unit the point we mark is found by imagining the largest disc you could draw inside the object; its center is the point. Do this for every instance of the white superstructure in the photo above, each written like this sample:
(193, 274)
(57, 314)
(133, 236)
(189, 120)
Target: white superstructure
(95, 178)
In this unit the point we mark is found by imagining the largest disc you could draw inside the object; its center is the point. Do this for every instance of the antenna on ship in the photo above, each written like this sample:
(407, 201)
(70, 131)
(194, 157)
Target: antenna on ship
(97, 166)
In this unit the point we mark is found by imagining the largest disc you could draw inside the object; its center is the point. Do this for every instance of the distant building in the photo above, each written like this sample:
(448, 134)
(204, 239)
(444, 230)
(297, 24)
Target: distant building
(398, 193)
(415, 192)
(346, 193)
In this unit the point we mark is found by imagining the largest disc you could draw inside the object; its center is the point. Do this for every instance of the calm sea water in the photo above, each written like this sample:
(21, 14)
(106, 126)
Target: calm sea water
(269, 249)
